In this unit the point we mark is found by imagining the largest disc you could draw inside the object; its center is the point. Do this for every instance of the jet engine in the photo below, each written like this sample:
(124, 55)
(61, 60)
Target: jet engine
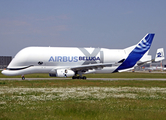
(61, 73)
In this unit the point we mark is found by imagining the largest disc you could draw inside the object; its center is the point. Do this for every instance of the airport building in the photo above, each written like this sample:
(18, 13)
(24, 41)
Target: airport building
(4, 61)
(153, 64)
(159, 64)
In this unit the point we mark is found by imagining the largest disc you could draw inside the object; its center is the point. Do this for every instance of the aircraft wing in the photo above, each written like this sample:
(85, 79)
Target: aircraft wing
(145, 62)
(147, 58)
(84, 68)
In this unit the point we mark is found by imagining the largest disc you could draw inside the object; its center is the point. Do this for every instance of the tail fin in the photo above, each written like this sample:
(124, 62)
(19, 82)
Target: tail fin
(144, 45)
(159, 54)
(137, 52)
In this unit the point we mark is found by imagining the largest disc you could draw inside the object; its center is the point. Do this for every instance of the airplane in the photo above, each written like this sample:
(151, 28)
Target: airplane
(73, 61)
(164, 67)
(159, 54)
(159, 57)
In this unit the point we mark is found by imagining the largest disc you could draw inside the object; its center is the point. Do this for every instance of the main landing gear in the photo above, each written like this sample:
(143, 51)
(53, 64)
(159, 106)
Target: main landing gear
(79, 77)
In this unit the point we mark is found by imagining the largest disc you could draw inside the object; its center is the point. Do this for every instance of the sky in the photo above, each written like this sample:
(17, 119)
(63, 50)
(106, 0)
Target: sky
(112, 24)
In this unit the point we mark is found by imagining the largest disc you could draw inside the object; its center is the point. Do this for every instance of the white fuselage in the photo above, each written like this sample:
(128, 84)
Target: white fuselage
(44, 59)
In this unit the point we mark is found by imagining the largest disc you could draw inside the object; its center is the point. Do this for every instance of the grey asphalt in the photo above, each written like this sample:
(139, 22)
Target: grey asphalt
(106, 79)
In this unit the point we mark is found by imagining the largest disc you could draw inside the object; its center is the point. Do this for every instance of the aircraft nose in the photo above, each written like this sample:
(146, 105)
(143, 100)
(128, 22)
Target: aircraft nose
(10, 73)
(3, 72)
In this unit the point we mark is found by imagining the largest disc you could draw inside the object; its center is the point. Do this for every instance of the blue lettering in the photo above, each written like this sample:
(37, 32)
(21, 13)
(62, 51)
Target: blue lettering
(75, 59)
(70, 60)
(90, 58)
(59, 59)
(64, 59)
(55, 59)
(98, 58)
(51, 59)
(84, 58)
(93, 58)
(80, 58)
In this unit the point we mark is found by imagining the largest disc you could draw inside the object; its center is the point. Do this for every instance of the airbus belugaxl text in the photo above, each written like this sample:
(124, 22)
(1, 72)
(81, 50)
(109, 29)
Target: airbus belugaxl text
(73, 61)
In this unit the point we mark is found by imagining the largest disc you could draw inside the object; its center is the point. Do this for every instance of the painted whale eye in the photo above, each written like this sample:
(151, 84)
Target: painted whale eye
(40, 63)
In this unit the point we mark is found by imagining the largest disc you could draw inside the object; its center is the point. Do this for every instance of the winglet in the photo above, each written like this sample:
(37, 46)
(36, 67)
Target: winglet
(160, 54)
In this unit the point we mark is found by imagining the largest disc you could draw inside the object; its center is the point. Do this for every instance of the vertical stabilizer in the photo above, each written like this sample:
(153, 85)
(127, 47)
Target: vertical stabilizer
(137, 52)
(159, 54)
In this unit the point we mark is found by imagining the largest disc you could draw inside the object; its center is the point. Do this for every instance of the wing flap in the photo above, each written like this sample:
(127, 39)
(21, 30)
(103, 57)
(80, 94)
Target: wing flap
(84, 68)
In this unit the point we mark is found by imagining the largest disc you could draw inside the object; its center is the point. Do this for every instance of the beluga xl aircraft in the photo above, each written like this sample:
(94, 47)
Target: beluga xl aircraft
(73, 61)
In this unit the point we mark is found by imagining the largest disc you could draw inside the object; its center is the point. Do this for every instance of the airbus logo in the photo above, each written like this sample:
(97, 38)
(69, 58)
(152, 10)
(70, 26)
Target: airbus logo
(63, 59)
(88, 58)
(159, 54)
(72, 58)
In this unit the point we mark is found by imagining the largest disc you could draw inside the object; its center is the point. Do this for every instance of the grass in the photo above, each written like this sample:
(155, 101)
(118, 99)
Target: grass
(128, 75)
(84, 99)
(91, 109)
(81, 99)
(81, 83)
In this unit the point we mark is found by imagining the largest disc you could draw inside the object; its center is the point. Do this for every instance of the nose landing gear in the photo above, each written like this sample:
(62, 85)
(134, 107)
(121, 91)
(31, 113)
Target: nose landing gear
(23, 78)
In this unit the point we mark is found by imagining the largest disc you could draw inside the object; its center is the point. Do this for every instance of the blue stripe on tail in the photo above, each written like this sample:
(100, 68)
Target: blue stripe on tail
(142, 47)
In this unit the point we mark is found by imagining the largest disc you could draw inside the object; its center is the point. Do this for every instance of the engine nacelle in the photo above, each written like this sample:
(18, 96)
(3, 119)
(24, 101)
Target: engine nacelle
(61, 73)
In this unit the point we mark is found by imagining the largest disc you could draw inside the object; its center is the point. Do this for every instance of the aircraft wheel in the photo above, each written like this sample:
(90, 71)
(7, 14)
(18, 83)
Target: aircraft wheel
(73, 77)
(23, 78)
(79, 77)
